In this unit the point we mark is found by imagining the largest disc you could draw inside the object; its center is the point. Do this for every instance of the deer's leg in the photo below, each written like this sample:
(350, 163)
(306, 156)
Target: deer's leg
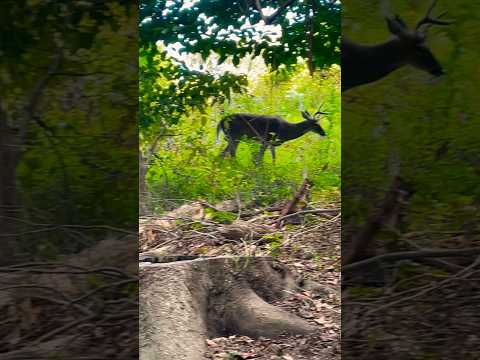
(259, 158)
(233, 148)
(272, 151)
(224, 152)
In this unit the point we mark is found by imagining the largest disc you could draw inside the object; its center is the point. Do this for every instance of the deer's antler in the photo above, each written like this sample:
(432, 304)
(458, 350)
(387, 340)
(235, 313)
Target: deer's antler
(428, 20)
(319, 111)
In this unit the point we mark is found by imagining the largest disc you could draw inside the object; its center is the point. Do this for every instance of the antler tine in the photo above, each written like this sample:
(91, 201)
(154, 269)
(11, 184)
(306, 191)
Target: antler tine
(429, 20)
(319, 110)
(431, 7)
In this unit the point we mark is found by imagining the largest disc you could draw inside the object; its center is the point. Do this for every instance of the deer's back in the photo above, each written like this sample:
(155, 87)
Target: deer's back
(251, 125)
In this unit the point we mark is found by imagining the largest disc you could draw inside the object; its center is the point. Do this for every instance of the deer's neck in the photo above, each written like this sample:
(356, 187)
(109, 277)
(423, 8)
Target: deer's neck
(363, 64)
(293, 131)
(387, 57)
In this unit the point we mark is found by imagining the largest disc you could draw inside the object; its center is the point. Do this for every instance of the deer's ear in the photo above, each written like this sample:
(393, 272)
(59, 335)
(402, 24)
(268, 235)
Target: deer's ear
(397, 26)
(305, 115)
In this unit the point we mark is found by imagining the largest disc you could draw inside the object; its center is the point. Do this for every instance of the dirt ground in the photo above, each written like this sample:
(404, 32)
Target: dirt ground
(308, 243)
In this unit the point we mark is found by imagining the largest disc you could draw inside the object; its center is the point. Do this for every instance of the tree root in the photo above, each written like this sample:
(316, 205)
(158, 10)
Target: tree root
(184, 302)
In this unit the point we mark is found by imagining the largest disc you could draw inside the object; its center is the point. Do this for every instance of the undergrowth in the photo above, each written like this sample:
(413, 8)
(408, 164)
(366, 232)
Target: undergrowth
(188, 165)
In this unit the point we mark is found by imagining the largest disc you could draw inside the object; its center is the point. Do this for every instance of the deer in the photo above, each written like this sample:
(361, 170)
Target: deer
(363, 64)
(269, 131)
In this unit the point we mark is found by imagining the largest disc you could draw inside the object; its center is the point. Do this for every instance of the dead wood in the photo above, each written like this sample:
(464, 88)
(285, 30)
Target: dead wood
(411, 255)
(306, 185)
(47, 305)
(324, 212)
(360, 245)
(184, 302)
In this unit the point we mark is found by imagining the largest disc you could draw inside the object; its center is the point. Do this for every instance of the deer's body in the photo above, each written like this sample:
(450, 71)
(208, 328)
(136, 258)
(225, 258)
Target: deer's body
(363, 64)
(269, 131)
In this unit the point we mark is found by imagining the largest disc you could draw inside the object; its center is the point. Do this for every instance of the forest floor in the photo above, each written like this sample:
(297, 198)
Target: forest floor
(308, 243)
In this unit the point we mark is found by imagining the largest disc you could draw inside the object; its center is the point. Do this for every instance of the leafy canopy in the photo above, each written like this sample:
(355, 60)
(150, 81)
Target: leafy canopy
(229, 29)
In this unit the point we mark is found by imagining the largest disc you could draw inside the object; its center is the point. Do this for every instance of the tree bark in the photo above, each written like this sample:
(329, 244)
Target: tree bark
(183, 303)
(142, 185)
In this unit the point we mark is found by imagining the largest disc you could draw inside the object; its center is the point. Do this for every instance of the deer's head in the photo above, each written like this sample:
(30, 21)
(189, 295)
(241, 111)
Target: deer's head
(413, 42)
(314, 122)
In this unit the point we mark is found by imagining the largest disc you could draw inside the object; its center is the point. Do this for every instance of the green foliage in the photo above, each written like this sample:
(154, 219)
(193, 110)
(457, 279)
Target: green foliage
(188, 165)
(211, 26)
(88, 167)
(223, 217)
(131, 290)
(170, 90)
(274, 243)
(274, 249)
(45, 21)
(69, 87)
(273, 238)
(363, 292)
(180, 106)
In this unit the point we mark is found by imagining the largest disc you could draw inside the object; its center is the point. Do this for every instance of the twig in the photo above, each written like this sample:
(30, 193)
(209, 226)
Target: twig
(239, 205)
(410, 255)
(448, 266)
(75, 270)
(66, 301)
(101, 288)
(459, 274)
(62, 329)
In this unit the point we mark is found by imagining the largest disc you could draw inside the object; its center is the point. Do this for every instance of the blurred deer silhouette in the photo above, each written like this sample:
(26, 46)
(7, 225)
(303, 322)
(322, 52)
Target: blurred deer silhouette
(363, 64)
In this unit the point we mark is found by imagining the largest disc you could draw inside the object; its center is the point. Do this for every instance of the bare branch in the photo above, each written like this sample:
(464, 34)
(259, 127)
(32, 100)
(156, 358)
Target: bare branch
(325, 212)
(269, 20)
(260, 10)
(411, 255)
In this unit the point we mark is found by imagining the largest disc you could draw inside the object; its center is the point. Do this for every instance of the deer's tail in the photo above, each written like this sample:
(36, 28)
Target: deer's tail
(219, 129)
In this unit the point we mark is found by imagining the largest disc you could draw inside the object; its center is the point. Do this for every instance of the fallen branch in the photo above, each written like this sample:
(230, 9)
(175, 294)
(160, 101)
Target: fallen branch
(307, 184)
(313, 211)
(438, 263)
(411, 255)
(395, 196)
(459, 275)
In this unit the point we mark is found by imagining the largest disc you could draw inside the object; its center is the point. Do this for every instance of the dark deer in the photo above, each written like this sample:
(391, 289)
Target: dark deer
(269, 131)
(363, 64)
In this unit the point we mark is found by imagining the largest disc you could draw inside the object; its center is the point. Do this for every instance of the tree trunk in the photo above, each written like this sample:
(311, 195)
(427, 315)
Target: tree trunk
(182, 303)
